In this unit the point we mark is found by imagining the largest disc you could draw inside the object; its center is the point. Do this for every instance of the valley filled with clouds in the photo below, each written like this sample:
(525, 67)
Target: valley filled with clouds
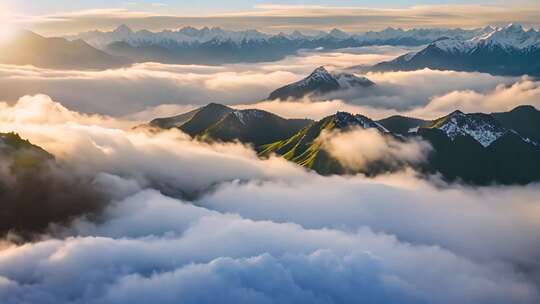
(123, 213)
(184, 217)
(149, 89)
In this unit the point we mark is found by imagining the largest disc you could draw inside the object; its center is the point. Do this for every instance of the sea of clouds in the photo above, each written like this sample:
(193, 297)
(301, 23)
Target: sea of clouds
(209, 223)
(168, 219)
(148, 90)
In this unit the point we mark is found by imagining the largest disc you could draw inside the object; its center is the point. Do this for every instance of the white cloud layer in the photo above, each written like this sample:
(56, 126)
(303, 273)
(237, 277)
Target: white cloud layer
(204, 256)
(265, 232)
(358, 148)
(503, 98)
(169, 160)
(144, 91)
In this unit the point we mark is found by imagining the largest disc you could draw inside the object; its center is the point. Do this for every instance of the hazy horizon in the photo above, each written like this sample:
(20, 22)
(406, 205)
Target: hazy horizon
(67, 17)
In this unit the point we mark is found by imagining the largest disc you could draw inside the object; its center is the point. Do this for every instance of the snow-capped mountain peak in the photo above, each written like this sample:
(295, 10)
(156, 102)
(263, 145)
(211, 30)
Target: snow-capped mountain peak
(244, 116)
(296, 35)
(342, 80)
(337, 33)
(318, 82)
(481, 127)
(123, 29)
(346, 80)
(510, 50)
(514, 27)
(344, 120)
(453, 45)
(318, 76)
(510, 37)
(184, 35)
(192, 35)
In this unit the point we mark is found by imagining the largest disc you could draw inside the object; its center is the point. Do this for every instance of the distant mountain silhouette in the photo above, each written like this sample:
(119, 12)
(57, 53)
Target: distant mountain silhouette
(320, 81)
(28, 48)
(510, 50)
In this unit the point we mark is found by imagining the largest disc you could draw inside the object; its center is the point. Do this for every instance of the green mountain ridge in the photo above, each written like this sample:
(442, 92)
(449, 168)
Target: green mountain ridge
(473, 148)
(402, 124)
(21, 154)
(222, 123)
(306, 150)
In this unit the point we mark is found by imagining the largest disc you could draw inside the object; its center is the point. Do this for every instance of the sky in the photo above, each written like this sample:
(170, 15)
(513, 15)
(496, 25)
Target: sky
(213, 6)
(63, 17)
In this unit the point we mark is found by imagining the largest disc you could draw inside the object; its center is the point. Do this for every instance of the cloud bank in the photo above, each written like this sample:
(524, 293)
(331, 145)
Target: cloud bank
(245, 261)
(170, 161)
(145, 91)
(261, 230)
(358, 149)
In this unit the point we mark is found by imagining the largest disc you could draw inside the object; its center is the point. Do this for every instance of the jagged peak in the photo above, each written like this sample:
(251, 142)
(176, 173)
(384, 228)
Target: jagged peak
(320, 70)
(483, 128)
(512, 36)
(338, 33)
(347, 80)
(393, 30)
(344, 120)
(514, 27)
(321, 74)
(457, 113)
(123, 29)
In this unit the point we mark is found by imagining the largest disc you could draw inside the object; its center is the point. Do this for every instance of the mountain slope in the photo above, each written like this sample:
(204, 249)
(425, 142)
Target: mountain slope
(21, 153)
(254, 126)
(511, 50)
(217, 46)
(320, 81)
(28, 48)
(483, 128)
(475, 148)
(478, 149)
(194, 122)
(401, 124)
(508, 160)
(304, 148)
(219, 122)
(36, 191)
(524, 119)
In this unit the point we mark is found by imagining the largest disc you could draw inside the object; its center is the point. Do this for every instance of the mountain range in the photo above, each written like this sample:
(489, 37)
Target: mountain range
(474, 148)
(320, 81)
(28, 48)
(191, 35)
(216, 45)
(216, 121)
(509, 50)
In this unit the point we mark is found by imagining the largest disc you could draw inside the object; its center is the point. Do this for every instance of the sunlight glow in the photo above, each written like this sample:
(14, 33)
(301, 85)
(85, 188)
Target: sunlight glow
(7, 27)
